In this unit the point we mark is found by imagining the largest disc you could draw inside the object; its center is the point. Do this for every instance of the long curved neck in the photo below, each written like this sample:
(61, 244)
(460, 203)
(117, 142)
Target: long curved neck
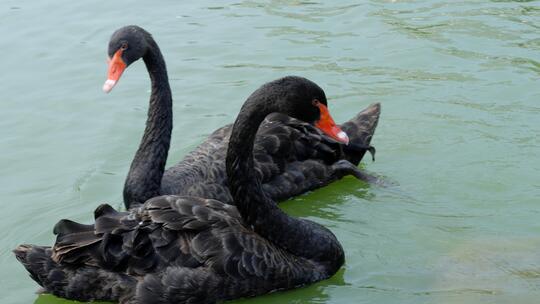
(146, 171)
(299, 237)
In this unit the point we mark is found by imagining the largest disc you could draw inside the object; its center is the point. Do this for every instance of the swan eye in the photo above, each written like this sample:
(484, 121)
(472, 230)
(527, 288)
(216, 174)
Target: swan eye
(315, 102)
(124, 46)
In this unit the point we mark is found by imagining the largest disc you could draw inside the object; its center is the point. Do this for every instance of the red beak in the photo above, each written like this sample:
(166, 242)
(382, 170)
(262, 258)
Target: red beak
(328, 126)
(116, 68)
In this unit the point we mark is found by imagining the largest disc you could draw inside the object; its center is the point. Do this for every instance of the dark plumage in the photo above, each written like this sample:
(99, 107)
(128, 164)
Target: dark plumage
(291, 156)
(182, 249)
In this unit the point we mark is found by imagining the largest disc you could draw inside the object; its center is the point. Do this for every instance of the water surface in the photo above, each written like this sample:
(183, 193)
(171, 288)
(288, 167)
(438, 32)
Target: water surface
(458, 138)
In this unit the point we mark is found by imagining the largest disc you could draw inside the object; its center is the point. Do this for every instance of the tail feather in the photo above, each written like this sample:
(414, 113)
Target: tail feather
(361, 129)
(78, 243)
(71, 240)
(84, 283)
(36, 260)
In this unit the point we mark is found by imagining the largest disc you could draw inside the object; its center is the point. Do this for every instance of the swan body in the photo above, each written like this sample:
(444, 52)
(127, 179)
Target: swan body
(291, 156)
(173, 248)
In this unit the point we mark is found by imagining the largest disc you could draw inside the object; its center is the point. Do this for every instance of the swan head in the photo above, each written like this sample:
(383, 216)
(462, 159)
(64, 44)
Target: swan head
(302, 99)
(127, 45)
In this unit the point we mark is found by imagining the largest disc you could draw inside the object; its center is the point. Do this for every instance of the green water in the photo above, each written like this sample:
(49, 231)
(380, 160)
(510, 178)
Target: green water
(458, 140)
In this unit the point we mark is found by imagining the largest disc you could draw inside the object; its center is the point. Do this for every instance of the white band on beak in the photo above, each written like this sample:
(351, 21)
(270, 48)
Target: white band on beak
(343, 136)
(109, 84)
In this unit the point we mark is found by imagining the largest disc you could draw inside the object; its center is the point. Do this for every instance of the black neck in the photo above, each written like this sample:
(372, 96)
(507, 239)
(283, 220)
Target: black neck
(300, 237)
(144, 177)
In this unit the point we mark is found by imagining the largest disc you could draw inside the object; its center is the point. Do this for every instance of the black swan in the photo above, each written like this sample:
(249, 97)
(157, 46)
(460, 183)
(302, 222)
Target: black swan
(182, 249)
(291, 156)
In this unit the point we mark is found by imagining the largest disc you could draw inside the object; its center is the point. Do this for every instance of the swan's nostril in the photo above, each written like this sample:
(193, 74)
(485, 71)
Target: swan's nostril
(108, 85)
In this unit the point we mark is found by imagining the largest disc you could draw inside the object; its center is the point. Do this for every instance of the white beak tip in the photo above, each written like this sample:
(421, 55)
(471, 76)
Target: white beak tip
(109, 85)
(343, 137)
